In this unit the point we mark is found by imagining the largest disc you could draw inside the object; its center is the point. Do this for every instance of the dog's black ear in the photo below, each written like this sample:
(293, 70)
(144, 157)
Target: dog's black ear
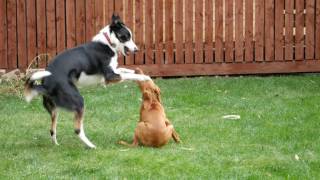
(115, 19)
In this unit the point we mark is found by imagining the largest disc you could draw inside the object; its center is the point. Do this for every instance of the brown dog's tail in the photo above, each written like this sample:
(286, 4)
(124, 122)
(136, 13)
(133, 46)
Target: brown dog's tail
(127, 144)
(31, 89)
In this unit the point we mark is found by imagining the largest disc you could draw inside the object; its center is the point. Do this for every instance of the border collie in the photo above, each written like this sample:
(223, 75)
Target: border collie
(89, 63)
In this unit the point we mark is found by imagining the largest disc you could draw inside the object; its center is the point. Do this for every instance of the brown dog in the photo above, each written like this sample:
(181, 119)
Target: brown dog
(153, 129)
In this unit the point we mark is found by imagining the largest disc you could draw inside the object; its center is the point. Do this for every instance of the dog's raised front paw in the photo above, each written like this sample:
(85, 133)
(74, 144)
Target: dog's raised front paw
(145, 78)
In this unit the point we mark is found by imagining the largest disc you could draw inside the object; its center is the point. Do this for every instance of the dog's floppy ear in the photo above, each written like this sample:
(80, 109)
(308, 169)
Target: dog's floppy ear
(157, 91)
(138, 71)
(146, 100)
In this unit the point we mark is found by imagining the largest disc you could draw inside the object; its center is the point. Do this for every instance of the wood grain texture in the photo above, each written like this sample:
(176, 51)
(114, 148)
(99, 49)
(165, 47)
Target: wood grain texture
(259, 31)
(70, 23)
(249, 30)
(12, 34)
(159, 31)
(119, 7)
(139, 58)
(51, 28)
(317, 48)
(239, 38)
(299, 38)
(269, 30)
(189, 32)
(169, 32)
(3, 35)
(89, 28)
(209, 32)
(289, 30)
(31, 30)
(229, 45)
(279, 25)
(310, 26)
(22, 34)
(179, 32)
(61, 26)
(198, 32)
(219, 55)
(129, 22)
(149, 32)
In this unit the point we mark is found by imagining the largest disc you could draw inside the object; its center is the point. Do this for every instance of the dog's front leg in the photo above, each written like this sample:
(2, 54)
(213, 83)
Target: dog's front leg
(124, 70)
(134, 77)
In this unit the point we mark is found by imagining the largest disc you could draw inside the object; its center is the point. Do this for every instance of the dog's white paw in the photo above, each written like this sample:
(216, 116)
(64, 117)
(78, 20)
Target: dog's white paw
(145, 78)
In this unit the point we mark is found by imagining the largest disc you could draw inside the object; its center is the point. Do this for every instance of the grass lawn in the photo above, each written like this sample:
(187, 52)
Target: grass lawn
(278, 135)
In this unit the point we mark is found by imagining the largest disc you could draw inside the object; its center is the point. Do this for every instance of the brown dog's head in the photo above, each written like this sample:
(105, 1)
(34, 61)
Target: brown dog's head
(149, 90)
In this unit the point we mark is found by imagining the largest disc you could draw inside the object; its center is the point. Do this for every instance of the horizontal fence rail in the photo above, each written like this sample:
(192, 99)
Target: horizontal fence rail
(175, 37)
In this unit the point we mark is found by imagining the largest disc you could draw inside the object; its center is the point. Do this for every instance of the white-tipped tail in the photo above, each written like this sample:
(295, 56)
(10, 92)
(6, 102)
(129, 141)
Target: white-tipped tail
(30, 94)
(39, 75)
(29, 91)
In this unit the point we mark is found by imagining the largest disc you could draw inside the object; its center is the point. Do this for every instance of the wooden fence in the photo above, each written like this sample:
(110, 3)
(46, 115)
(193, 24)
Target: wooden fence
(175, 37)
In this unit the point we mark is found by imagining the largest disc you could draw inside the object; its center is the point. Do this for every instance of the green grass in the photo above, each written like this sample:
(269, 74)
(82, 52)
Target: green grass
(280, 118)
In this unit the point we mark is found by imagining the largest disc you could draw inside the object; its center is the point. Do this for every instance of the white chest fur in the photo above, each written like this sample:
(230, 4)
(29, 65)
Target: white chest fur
(89, 80)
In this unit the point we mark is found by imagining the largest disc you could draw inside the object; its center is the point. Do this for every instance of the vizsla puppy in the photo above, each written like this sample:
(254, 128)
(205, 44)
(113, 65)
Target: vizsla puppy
(153, 129)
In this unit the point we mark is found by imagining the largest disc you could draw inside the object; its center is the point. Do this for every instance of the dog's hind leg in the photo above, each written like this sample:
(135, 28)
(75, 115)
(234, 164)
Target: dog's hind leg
(175, 135)
(51, 108)
(79, 130)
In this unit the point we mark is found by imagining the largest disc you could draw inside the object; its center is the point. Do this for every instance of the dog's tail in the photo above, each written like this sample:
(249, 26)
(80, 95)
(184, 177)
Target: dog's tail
(31, 89)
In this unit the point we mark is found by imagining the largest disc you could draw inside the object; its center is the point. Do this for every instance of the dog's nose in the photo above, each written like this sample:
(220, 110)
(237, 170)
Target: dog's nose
(135, 50)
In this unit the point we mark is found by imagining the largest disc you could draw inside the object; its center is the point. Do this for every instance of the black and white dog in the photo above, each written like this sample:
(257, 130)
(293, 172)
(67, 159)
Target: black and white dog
(89, 63)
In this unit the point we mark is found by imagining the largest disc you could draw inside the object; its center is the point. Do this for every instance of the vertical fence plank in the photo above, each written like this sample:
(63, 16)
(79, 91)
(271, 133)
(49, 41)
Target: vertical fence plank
(61, 25)
(317, 48)
(139, 31)
(259, 30)
(119, 10)
(199, 32)
(90, 30)
(51, 28)
(299, 24)
(310, 10)
(179, 31)
(249, 30)
(70, 24)
(229, 31)
(159, 31)
(98, 9)
(189, 31)
(239, 31)
(22, 35)
(80, 22)
(31, 30)
(289, 30)
(41, 31)
(12, 33)
(149, 31)
(208, 31)
(269, 30)
(129, 23)
(279, 22)
(169, 32)
(219, 31)
(109, 9)
(3, 34)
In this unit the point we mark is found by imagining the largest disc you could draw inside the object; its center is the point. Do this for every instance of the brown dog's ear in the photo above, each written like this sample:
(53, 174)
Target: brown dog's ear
(157, 91)
(138, 71)
(146, 100)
